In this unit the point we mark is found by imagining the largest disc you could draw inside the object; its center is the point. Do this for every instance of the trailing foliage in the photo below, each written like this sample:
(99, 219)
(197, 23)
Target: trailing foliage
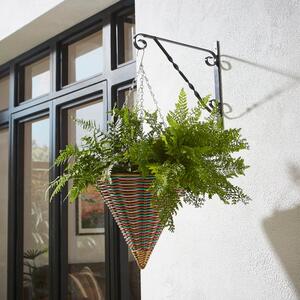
(191, 158)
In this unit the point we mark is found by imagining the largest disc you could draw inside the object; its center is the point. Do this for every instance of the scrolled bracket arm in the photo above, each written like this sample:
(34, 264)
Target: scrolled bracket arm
(139, 41)
(213, 59)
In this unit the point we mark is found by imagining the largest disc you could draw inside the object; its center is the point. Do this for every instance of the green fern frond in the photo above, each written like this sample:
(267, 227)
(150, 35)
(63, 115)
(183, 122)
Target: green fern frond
(191, 159)
(181, 112)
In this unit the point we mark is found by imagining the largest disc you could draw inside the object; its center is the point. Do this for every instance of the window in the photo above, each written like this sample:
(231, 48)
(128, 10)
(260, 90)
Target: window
(4, 147)
(60, 250)
(134, 278)
(125, 33)
(34, 79)
(127, 94)
(36, 209)
(84, 57)
(4, 92)
(86, 220)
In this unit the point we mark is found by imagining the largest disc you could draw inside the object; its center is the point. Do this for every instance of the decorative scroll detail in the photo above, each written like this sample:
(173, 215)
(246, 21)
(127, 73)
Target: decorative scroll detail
(213, 59)
(139, 42)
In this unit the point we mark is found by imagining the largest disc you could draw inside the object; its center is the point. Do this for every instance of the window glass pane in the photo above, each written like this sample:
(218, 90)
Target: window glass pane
(130, 97)
(86, 238)
(134, 278)
(129, 32)
(36, 209)
(127, 95)
(4, 144)
(85, 57)
(126, 32)
(37, 78)
(4, 92)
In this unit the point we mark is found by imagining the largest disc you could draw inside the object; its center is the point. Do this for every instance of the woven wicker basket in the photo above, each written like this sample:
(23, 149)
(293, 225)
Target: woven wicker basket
(128, 199)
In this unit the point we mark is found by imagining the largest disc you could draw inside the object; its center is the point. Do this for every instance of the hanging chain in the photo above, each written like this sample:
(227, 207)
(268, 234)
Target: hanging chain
(134, 83)
(140, 100)
(133, 87)
(139, 81)
(153, 97)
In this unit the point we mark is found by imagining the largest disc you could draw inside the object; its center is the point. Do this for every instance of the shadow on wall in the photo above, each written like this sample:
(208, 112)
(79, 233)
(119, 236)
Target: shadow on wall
(295, 81)
(294, 172)
(283, 231)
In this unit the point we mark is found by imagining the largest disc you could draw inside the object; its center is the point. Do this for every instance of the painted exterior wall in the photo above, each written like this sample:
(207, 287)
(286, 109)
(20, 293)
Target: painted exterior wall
(222, 252)
(17, 13)
(26, 24)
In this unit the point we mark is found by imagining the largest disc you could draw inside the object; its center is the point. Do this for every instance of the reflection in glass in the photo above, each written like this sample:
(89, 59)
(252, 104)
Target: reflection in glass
(4, 146)
(130, 96)
(86, 239)
(126, 32)
(85, 57)
(4, 92)
(134, 278)
(37, 78)
(129, 32)
(36, 209)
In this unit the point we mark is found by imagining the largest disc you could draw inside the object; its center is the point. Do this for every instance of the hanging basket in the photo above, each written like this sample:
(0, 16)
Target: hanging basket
(128, 199)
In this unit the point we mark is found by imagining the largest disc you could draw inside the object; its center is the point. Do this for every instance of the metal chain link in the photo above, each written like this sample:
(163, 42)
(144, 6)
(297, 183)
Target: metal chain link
(153, 97)
(140, 100)
(134, 84)
(139, 80)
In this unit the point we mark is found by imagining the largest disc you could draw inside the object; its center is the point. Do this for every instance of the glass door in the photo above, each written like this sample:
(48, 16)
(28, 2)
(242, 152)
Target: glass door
(86, 219)
(36, 165)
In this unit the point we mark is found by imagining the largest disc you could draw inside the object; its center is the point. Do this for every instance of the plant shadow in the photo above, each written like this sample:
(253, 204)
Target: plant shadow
(283, 231)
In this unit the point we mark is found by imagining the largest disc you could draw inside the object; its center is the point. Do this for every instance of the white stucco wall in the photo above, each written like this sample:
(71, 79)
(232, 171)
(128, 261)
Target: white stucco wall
(222, 252)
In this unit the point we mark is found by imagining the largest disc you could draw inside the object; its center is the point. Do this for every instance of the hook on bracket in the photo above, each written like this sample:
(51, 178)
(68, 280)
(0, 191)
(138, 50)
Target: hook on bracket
(139, 42)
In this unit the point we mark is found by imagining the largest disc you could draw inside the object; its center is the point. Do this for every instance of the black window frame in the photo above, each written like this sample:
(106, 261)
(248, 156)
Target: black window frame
(15, 245)
(4, 72)
(118, 59)
(6, 126)
(61, 106)
(20, 76)
(53, 105)
(75, 37)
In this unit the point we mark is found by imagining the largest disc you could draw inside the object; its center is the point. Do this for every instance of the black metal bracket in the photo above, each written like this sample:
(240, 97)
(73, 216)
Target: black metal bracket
(212, 60)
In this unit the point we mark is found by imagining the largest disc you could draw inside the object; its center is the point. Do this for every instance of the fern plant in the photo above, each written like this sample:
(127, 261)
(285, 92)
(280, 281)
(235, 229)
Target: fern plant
(191, 159)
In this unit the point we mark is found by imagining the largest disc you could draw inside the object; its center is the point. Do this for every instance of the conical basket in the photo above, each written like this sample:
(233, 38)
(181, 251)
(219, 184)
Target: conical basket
(128, 199)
